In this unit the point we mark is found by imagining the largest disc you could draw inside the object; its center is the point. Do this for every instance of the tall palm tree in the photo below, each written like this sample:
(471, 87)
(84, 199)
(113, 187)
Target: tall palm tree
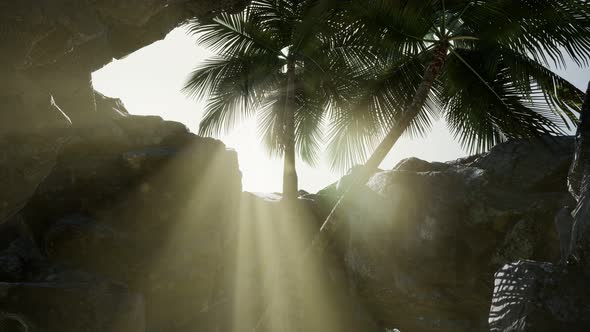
(273, 60)
(481, 64)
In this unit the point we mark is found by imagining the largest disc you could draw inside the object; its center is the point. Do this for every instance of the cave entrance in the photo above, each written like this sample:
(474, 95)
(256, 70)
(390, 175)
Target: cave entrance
(149, 82)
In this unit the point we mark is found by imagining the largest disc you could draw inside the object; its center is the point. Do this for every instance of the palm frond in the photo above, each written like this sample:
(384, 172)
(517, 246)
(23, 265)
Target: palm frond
(308, 127)
(234, 34)
(235, 88)
(542, 29)
(352, 135)
(270, 123)
(482, 113)
(530, 77)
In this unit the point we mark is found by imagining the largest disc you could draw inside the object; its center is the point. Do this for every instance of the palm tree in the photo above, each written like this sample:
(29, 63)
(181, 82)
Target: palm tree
(272, 60)
(481, 64)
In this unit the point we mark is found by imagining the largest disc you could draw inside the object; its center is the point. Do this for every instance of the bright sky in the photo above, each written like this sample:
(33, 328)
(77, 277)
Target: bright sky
(149, 82)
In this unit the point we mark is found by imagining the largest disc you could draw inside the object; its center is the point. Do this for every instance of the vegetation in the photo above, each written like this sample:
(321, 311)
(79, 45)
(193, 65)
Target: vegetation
(382, 68)
(480, 64)
(274, 60)
(483, 64)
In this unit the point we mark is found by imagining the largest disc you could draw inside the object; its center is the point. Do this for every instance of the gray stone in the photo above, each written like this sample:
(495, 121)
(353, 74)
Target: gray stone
(533, 167)
(539, 297)
(134, 200)
(51, 47)
(419, 165)
(426, 238)
(563, 224)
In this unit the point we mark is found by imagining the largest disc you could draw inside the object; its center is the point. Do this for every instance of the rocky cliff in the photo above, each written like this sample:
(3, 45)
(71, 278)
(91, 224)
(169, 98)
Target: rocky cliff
(108, 229)
(51, 47)
(138, 225)
(135, 224)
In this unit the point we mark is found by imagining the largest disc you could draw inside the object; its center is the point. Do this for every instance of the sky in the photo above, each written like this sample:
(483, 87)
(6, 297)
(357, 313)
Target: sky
(149, 82)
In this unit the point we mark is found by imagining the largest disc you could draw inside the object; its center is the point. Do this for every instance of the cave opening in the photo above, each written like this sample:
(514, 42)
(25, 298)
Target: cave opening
(149, 82)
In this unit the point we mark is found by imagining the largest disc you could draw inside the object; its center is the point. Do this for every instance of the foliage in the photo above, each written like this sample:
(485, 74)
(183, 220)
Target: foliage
(247, 77)
(360, 63)
(494, 85)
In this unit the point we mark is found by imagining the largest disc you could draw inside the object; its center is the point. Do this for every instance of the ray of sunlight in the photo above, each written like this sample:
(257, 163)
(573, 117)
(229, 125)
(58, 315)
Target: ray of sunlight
(149, 83)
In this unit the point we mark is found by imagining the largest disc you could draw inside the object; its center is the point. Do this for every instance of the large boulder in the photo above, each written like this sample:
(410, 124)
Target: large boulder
(426, 238)
(27, 158)
(137, 201)
(539, 296)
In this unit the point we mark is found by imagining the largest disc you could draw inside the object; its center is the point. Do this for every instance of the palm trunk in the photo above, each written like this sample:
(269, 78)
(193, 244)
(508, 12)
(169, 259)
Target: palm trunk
(290, 188)
(328, 229)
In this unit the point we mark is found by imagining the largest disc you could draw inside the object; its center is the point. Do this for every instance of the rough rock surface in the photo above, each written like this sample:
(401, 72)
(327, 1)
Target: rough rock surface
(51, 47)
(145, 204)
(137, 201)
(27, 158)
(141, 202)
(426, 238)
(70, 306)
(540, 297)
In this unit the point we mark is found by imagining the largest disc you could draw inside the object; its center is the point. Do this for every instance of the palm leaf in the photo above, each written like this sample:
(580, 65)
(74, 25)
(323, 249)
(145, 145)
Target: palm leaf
(236, 87)
(501, 110)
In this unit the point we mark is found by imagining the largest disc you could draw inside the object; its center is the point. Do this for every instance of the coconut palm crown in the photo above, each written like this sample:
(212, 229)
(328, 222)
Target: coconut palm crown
(274, 61)
(482, 65)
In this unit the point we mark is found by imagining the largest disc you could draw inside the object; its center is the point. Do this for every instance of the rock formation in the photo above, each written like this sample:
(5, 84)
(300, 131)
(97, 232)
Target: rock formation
(540, 296)
(426, 238)
(144, 227)
(51, 47)
(122, 222)
(140, 212)
(112, 222)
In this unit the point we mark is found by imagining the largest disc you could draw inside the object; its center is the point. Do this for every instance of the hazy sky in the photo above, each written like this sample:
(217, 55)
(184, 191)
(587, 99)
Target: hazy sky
(149, 82)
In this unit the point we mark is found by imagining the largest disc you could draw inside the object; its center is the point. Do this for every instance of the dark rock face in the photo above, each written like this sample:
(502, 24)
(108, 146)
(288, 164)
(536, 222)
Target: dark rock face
(536, 296)
(136, 201)
(51, 47)
(25, 161)
(533, 296)
(530, 167)
(56, 307)
(425, 239)
(135, 217)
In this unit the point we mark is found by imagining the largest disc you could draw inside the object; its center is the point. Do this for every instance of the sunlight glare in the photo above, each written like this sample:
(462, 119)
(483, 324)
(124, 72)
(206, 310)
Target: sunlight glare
(149, 83)
(150, 80)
